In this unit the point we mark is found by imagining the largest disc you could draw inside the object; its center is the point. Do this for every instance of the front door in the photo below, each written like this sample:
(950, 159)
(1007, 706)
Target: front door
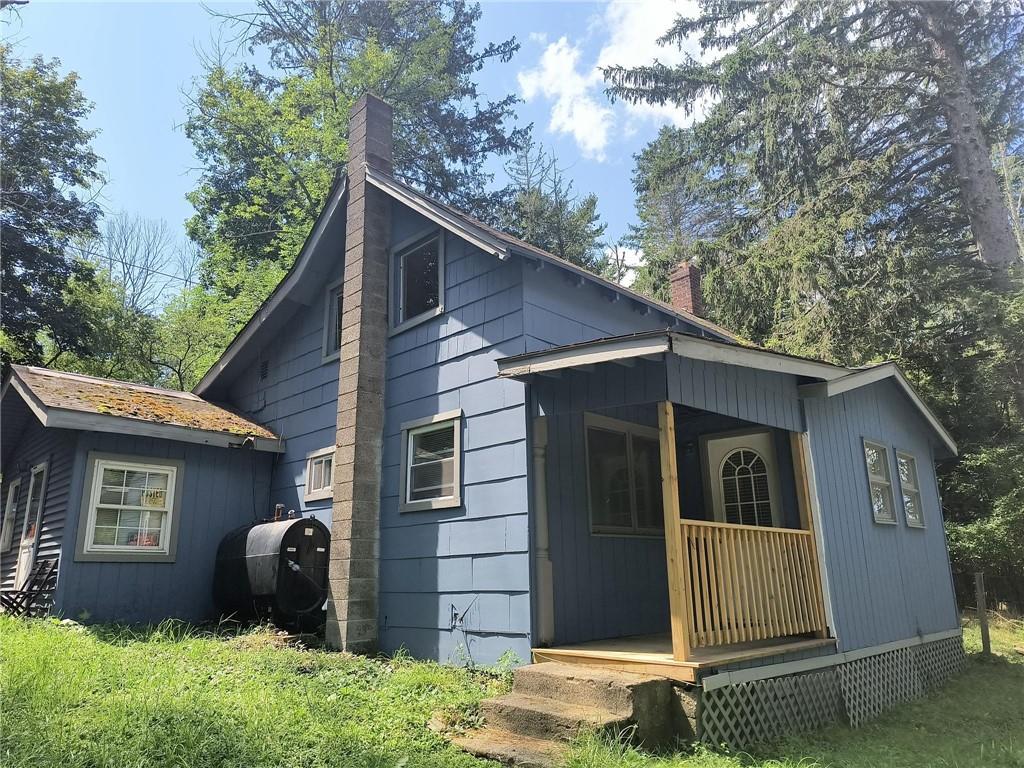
(32, 525)
(741, 478)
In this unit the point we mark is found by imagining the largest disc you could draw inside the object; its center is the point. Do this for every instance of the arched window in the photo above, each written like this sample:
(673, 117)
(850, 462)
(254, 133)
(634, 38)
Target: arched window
(745, 488)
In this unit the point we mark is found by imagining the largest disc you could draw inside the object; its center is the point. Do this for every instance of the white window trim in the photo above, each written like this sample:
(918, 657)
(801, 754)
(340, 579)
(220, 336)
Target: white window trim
(628, 428)
(86, 550)
(411, 428)
(10, 514)
(398, 325)
(323, 493)
(872, 479)
(328, 355)
(915, 490)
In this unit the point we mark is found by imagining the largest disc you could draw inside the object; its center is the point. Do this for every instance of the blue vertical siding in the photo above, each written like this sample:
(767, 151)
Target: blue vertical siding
(454, 583)
(223, 489)
(887, 582)
(33, 445)
(298, 400)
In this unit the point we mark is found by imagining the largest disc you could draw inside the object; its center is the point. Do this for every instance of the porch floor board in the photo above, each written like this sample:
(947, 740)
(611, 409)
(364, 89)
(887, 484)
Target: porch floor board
(652, 654)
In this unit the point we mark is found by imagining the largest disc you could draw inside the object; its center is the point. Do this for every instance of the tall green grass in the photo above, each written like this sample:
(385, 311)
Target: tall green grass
(174, 695)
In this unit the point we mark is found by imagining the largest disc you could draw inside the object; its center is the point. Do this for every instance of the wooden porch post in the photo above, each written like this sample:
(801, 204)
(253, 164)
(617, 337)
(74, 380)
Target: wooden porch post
(802, 476)
(678, 590)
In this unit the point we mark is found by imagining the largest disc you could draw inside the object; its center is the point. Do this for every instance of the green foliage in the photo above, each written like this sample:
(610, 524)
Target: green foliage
(543, 210)
(822, 194)
(271, 139)
(46, 165)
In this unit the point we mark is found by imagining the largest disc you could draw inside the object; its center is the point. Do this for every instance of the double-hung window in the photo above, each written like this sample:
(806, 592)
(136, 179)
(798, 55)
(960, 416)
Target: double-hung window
(876, 457)
(320, 475)
(432, 463)
(910, 489)
(623, 477)
(130, 509)
(418, 277)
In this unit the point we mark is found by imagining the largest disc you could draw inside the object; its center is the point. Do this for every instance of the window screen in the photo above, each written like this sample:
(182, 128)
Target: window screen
(624, 475)
(419, 267)
(432, 462)
(131, 506)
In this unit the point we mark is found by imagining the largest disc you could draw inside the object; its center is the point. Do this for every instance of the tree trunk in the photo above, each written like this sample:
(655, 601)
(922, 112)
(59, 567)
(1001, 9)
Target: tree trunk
(980, 191)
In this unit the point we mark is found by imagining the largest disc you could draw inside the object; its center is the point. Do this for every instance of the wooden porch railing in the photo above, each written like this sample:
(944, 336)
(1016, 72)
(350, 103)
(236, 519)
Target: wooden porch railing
(749, 583)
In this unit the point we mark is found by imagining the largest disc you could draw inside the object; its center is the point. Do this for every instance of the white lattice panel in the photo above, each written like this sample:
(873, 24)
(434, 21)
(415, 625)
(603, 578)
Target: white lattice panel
(737, 716)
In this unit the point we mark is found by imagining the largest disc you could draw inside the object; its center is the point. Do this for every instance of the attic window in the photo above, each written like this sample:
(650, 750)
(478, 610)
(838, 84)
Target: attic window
(332, 321)
(419, 268)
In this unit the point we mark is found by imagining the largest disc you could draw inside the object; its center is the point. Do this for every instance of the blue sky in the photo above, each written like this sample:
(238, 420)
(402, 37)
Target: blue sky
(136, 59)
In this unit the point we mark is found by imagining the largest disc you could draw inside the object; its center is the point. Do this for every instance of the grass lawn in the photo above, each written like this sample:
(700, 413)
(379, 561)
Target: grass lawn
(75, 697)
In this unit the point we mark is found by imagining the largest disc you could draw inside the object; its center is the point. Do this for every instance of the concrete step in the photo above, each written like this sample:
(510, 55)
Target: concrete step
(545, 718)
(618, 692)
(511, 748)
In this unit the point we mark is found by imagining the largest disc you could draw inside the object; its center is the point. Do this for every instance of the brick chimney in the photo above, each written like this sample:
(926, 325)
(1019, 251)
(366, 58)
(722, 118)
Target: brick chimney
(355, 527)
(684, 286)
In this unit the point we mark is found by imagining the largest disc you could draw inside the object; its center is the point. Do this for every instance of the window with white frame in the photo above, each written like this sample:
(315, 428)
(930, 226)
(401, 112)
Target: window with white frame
(419, 269)
(432, 463)
(876, 457)
(910, 490)
(623, 477)
(10, 513)
(320, 474)
(130, 507)
(332, 321)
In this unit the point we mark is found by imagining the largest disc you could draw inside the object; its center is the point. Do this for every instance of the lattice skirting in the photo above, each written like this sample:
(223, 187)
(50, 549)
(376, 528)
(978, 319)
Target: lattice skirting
(737, 716)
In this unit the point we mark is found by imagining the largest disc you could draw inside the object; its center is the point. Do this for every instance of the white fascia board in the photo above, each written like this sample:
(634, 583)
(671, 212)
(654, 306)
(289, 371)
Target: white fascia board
(439, 216)
(586, 354)
(63, 418)
(875, 374)
(749, 357)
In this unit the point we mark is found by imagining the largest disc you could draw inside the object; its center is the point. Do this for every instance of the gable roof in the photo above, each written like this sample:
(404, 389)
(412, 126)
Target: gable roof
(659, 342)
(74, 401)
(503, 245)
(294, 277)
(887, 370)
(835, 379)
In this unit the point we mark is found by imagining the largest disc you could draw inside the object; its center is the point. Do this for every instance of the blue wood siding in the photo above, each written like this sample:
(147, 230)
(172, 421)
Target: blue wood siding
(888, 582)
(223, 489)
(454, 584)
(33, 445)
(559, 310)
(298, 400)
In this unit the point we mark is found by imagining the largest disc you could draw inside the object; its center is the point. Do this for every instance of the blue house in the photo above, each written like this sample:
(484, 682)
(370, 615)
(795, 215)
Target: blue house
(512, 454)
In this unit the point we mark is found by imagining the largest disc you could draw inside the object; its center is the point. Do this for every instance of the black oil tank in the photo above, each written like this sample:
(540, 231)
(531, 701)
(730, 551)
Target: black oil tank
(275, 567)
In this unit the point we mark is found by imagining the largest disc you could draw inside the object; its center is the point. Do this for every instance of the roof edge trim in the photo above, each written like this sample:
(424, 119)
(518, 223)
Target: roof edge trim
(876, 373)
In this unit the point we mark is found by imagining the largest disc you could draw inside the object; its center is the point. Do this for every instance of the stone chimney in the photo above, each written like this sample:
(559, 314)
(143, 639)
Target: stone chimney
(355, 528)
(684, 285)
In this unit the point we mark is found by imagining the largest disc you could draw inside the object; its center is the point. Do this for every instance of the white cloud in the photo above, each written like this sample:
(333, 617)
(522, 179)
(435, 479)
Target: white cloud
(627, 32)
(576, 108)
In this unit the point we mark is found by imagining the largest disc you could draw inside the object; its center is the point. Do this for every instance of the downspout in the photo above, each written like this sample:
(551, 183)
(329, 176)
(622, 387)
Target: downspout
(542, 551)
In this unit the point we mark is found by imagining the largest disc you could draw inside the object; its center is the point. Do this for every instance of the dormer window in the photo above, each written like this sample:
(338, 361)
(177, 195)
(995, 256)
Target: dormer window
(419, 272)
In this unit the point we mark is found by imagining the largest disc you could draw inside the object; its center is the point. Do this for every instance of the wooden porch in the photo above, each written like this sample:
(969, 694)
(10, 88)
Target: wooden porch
(736, 592)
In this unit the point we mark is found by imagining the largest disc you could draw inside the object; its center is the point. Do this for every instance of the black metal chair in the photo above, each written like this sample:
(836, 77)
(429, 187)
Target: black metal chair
(34, 597)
